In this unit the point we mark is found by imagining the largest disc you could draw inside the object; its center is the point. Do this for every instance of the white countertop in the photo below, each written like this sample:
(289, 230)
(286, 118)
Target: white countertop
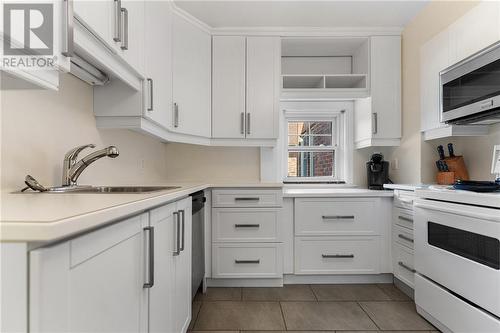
(30, 217)
(448, 193)
(334, 192)
(404, 187)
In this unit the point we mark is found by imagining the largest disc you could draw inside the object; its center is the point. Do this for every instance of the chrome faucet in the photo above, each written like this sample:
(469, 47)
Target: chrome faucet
(73, 169)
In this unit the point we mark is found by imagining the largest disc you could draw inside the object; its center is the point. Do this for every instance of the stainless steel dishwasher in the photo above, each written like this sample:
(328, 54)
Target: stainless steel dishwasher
(198, 259)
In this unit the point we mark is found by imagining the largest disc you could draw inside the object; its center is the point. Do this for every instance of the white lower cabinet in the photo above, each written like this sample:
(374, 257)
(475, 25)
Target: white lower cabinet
(132, 276)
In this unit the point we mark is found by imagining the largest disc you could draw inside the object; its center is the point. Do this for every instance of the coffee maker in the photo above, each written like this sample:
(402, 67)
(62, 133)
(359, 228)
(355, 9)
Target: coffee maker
(377, 172)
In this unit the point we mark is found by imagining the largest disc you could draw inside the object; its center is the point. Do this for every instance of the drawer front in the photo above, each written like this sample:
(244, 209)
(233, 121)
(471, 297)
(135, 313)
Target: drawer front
(337, 255)
(256, 260)
(335, 217)
(403, 217)
(403, 236)
(404, 199)
(247, 198)
(245, 224)
(403, 265)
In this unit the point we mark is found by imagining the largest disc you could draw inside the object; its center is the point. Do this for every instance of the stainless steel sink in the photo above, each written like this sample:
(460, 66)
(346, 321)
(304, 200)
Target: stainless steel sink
(109, 189)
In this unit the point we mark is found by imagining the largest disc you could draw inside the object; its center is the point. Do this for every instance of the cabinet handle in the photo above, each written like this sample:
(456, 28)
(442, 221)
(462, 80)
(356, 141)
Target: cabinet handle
(69, 47)
(183, 222)
(406, 238)
(405, 266)
(337, 255)
(375, 123)
(247, 225)
(242, 125)
(247, 199)
(248, 123)
(125, 29)
(118, 21)
(176, 115)
(247, 261)
(337, 217)
(150, 85)
(404, 218)
(151, 264)
(177, 234)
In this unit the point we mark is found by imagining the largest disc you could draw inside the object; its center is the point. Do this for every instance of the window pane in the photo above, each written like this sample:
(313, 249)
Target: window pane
(321, 140)
(321, 127)
(311, 164)
(298, 140)
(298, 128)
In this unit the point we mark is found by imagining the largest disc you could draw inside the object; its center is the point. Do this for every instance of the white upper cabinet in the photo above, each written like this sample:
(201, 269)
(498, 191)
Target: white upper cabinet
(131, 46)
(477, 29)
(377, 118)
(228, 86)
(263, 68)
(191, 78)
(245, 87)
(99, 17)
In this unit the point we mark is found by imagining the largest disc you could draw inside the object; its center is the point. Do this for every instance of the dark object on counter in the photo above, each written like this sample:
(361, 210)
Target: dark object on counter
(377, 172)
(441, 152)
(450, 150)
(477, 186)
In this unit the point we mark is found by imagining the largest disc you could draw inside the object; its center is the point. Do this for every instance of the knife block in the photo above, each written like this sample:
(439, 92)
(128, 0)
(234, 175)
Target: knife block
(445, 178)
(456, 165)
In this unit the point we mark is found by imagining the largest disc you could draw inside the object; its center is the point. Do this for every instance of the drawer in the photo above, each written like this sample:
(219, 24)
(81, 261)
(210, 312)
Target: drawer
(403, 236)
(404, 199)
(337, 255)
(403, 265)
(247, 198)
(335, 217)
(403, 217)
(256, 260)
(245, 224)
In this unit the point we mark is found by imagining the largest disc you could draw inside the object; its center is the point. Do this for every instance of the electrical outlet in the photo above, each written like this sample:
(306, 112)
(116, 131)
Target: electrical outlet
(395, 164)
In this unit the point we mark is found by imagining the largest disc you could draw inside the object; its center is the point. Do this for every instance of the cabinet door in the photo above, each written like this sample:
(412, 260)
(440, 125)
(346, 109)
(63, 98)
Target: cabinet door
(263, 68)
(98, 16)
(385, 73)
(161, 303)
(228, 87)
(131, 47)
(191, 78)
(158, 65)
(93, 283)
(182, 268)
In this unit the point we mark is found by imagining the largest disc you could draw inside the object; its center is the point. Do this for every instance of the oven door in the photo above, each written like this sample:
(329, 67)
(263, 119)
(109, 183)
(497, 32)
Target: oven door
(458, 247)
(471, 86)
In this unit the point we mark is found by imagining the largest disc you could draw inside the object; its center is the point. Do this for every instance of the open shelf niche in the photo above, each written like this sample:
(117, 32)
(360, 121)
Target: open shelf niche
(325, 67)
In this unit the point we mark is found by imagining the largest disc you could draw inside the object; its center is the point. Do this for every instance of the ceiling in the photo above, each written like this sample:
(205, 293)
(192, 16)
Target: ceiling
(277, 13)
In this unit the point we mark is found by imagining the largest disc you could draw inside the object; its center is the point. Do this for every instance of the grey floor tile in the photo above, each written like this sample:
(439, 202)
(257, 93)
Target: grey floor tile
(395, 316)
(324, 316)
(195, 309)
(287, 293)
(220, 294)
(393, 292)
(217, 332)
(386, 332)
(349, 292)
(240, 316)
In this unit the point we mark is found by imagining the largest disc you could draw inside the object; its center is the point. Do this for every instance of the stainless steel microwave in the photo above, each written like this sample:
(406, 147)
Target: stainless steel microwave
(470, 89)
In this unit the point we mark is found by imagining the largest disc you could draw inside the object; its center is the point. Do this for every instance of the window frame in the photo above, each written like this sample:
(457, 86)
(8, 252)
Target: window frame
(338, 119)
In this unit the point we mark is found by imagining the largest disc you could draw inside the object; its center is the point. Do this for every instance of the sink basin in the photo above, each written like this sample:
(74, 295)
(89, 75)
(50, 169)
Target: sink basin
(110, 189)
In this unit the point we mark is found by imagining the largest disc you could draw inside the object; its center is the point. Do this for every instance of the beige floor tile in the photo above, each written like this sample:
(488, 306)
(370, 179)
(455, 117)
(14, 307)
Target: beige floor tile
(395, 316)
(286, 293)
(195, 309)
(240, 316)
(387, 332)
(349, 292)
(325, 316)
(220, 294)
(394, 293)
(218, 331)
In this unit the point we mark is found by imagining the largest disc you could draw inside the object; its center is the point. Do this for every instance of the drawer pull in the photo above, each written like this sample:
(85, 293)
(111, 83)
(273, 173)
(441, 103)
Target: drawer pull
(406, 201)
(247, 199)
(337, 255)
(337, 217)
(247, 225)
(404, 218)
(247, 261)
(406, 238)
(405, 266)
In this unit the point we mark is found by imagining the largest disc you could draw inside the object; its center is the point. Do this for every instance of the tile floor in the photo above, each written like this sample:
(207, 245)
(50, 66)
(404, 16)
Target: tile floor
(307, 308)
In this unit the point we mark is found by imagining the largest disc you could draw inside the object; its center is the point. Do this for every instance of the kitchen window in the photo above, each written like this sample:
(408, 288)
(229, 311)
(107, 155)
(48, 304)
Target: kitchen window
(314, 148)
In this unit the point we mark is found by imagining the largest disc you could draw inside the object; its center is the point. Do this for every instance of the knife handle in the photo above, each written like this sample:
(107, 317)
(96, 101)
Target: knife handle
(450, 149)
(440, 150)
